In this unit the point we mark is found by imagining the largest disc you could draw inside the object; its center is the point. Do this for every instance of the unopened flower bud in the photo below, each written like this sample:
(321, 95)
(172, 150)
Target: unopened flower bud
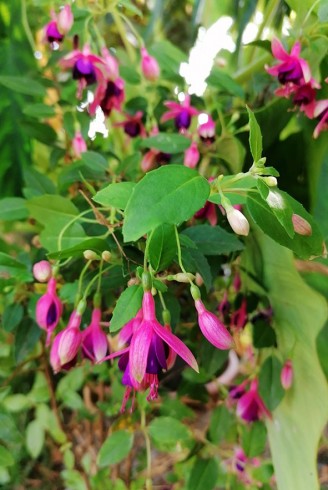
(106, 255)
(42, 271)
(198, 279)
(90, 255)
(237, 221)
(79, 145)
(65, 19)
(149, 66)
(301, 226)
(191, 155)
(287, 374)
(212, 328)
(195, 293)
(182, 277)
(270, 181)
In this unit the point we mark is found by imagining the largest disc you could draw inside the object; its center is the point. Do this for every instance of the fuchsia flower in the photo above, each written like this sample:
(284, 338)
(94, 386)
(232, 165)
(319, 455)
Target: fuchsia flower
(287, 375)
(79, 145)
(293, 68)
(206, 131)
(49, 309)
(319, 111)
(94, 340)
(149, 351)
(133, 125)
(239, 317)
(208, 212)
(87, 68)
(191, 155)
(59, 25)
(181, 113)
(224, 305)
(42, 271)
(212, 328)
(109, 95)
(149, 66)
(250, 406)
(237, 221)
(66, 344)
(111, 64)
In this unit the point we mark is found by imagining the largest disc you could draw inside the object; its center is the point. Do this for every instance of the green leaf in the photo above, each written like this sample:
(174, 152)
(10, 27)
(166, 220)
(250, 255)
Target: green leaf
(162, 247)
(170, 194)
(12, 209)
(39, 110)
(131, 7)
(194, 261)
(322, 349)
(213, 240)
(115, 448)
(270, 387)
(278, 205)
(232, 151)
(204, 475)
(39, 183)
(167, 433)
(263, 334)
(299, 315)
(168, 143)
(262, 214)
(98, 245)
(254, 439)
(34, 438)
(130, 75)
(220, 79)
(23, 85)
(26, 336)
(12, 316)
(12, 268)
(255, 136)
(116, 195)
(168, 56)
(6, 458)
(126, 307)
(221, 422)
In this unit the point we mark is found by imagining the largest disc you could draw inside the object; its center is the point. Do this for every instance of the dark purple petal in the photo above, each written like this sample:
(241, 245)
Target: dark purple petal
(160, 351)
(183, 120)
(132, 128)
(84, 68)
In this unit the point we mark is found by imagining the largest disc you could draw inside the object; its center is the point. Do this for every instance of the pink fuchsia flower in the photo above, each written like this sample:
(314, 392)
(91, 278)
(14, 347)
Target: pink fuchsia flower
(212, 328)
(79, 145)
(239, 317)
(42, 271)
(191, 155)
(109, 95)
(65, 19)
(287, 375)
(181, 113)
(133, 125)
(208, 212)
(292, 68)
(206, 131)
(224, 305)
(111, 64)
(301, 225)
(86, 67)
(94, 340)
(236, 283)
(250, 406)
(125, 335)
(59, 25)
(66, 344)
(49, 309)
(321, 113)
(52, 34)
(149, 160)
(149, 66)
(304, 95)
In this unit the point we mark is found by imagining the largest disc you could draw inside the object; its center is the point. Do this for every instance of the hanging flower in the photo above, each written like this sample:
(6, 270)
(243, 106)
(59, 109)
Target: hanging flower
(287, 375)
(133, 125)
(66, 345)
(42, 271)
(206, 131)
(49, 309)
(94, 340)
(109, 95)
(149, 66)
(292, 68)
(181, 113)
(250, 406)
(191, 155)
(59, 25)
(79, 145)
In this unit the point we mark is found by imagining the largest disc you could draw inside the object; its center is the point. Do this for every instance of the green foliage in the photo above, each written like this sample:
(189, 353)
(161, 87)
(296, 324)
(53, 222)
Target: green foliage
(115, 448)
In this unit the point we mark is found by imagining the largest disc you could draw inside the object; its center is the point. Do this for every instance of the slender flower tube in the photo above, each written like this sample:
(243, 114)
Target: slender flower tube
(149, 66)
(42, 271)
(49, 309)
(94, 340)
(250, 406)
(66, 344)
(287, 375)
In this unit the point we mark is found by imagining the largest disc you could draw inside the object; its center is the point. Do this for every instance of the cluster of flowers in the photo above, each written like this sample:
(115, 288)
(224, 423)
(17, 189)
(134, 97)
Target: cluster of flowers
(294, 73)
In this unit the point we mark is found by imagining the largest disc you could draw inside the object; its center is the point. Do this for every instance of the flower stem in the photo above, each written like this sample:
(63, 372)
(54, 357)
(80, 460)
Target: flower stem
(121, 31)
(179, 254)
(149, 484)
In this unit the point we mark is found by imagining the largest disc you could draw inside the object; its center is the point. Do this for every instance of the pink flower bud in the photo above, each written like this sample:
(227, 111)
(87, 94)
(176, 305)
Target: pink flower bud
(212, 328)
(48, 310)
(301, 226)
(148, 161)
(42, 271)
(94, 341)
(65, 19)
(111, 64)
(66, 344)
(149, 66)
(287, 374)
(191, 156)
(79, 145)
(237, 221)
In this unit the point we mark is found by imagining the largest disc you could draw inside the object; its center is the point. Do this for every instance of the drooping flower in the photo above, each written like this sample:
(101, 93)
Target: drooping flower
(111, 64)
(181, 113)
(149, 66)
(87, 68)
(206, 131)
(287, 375)
(65, 19)
(42, 271)
(250, 406)
(212, 328)
(237, 221)
(239, 317)
(49, 309)
(208, 212)
(94, 340)
(66, 344)
(191, 155)
(79, 145)
(133, 125)
(292, 68)
(224, 305)
(59, 25)
(109, 95)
